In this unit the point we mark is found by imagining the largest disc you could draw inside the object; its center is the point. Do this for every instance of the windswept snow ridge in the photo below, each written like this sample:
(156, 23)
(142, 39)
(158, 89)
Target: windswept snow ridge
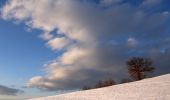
(157, 88)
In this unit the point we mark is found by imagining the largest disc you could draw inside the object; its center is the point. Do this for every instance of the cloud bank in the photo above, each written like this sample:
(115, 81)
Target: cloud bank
(9, 91)
(96, 37)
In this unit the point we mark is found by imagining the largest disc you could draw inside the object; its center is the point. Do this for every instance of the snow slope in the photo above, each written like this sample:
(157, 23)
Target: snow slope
(157, 88)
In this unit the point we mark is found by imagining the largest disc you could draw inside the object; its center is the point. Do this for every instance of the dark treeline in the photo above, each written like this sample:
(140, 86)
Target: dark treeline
(100, 84)
(138, 69)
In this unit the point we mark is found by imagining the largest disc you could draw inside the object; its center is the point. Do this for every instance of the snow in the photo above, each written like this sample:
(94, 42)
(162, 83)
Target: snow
(157, 88)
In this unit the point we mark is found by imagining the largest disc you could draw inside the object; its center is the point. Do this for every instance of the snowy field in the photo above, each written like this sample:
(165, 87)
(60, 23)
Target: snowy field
(157, 88)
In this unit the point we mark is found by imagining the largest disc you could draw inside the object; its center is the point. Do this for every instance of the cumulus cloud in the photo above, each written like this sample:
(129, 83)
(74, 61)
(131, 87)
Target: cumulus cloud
(9, 91)
(46, 36)
(58, 43)
(95, 40)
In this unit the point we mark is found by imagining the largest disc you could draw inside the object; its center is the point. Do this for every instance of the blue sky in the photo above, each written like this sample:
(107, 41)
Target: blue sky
(22, 53)
(45, 48)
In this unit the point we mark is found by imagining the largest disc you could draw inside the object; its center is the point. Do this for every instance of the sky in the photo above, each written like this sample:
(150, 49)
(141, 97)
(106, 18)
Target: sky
(49, 47)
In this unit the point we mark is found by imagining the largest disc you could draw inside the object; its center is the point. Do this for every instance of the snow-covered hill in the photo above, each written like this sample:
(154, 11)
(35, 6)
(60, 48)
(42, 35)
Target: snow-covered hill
(157, 88)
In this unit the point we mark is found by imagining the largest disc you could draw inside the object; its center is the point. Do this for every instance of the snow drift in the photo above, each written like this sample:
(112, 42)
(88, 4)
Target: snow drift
(157, 88)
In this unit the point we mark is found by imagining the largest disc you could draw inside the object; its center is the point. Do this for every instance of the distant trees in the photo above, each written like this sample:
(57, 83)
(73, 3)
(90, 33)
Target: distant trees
(100, 84)
(105, 83)
(138, 67)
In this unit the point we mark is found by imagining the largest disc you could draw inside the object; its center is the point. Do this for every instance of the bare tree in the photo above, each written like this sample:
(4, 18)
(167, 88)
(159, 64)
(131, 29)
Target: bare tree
(138, 67)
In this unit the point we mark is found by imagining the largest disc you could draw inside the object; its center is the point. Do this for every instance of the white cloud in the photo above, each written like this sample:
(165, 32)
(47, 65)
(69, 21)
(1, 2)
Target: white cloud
(46, 36)
(73, 56)
(58, 43)
(40, 82)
